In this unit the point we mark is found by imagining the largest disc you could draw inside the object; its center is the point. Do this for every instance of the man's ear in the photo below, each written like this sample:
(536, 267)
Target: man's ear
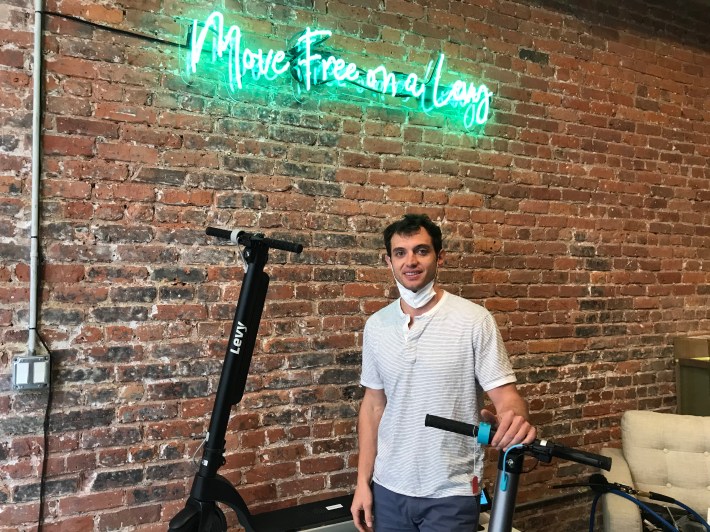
(440, 258)
(388, 261)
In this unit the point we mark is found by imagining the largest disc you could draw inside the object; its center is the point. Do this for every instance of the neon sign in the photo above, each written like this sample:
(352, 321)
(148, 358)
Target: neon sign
(310, 66)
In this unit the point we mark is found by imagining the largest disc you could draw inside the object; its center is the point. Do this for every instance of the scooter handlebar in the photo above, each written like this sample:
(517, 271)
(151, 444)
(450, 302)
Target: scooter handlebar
(537, 448)
(242, 237)
(573, 455)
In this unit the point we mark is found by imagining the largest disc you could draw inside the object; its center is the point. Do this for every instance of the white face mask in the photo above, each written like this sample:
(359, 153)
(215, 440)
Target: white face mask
(419, 298)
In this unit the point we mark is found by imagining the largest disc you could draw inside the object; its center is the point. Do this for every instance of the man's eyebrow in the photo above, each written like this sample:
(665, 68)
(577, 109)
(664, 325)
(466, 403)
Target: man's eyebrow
(415, 248)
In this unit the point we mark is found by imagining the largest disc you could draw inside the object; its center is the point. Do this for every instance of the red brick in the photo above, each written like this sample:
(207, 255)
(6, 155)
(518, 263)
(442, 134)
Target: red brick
(150, 136)
(107, 15)
(179, 197)
(185, 121)
(122, 112)
(82, 126)
(77, 210)
(104, 170)
(14, 79)
(19, 37)
(131, 517)
(67, 145)
(321, 465)
(84, 522)
(379, 145)
(127, 152)
(67, 189)
(196, 159)
(56, 273)
(12, 58)
(171, 312)
(72, 66)
(17, 514)
(264, 473)
(301, 486)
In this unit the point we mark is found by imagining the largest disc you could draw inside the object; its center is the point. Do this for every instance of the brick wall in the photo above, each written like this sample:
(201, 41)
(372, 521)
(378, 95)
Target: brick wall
(579, 217)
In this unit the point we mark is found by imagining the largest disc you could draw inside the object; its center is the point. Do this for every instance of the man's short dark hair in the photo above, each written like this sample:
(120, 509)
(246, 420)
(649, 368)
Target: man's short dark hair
(410, 224)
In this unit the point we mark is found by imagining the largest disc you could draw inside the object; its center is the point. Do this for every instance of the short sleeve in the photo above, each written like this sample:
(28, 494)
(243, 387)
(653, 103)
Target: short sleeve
(369, 376)
(493, 367)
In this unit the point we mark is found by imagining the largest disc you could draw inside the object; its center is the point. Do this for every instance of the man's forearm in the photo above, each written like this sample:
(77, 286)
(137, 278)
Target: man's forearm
(507, 399)
(517, 405)
(368, 424)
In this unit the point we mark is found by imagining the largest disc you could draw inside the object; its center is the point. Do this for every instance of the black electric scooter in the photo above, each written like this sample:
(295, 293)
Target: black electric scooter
(201, 512)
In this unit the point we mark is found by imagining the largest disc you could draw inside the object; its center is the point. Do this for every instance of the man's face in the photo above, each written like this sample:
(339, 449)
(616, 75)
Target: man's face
(413, 259)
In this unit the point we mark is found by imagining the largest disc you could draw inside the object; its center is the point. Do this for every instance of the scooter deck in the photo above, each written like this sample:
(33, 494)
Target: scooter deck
(319, 515)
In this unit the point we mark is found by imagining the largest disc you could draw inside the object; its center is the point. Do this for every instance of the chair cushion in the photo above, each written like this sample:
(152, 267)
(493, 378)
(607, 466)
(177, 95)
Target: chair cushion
(669, 454)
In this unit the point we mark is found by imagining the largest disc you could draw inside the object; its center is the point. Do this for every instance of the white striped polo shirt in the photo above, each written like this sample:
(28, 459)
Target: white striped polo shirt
(438, 366)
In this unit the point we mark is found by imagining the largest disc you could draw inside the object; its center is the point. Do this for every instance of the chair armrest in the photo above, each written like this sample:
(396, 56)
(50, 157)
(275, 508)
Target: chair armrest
(619, 513)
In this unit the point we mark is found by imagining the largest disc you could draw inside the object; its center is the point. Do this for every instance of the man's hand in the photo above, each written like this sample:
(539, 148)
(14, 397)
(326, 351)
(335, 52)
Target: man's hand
(511, 422)
(362, 508)
(510, 429)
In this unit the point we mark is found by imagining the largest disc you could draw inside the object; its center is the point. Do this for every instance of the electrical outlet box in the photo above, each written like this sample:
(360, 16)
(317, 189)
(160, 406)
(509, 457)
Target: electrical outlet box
(30, 372)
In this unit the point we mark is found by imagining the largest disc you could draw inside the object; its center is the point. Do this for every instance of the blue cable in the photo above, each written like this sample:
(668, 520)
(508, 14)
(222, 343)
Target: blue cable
(647, 509)
(593, 511)
(665, 524)
(694, 513)
(641, 505)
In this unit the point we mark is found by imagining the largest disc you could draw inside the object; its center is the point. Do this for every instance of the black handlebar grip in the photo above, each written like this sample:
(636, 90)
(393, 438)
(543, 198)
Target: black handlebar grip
(283, 245)
(443, 423)
(581, 457)
(219, 233)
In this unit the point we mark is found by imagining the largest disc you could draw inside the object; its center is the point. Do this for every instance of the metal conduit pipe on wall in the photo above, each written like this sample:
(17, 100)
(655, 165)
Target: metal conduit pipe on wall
(36, 169)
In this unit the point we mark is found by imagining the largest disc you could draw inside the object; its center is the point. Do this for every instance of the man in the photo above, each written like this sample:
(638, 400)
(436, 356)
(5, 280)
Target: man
(429, 352)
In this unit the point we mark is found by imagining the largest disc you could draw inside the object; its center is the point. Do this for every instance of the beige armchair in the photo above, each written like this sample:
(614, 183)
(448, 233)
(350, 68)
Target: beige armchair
(664, 453)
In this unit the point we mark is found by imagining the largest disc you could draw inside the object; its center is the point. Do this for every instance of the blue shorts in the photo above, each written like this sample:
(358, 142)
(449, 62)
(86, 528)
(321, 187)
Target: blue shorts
(400, 513)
